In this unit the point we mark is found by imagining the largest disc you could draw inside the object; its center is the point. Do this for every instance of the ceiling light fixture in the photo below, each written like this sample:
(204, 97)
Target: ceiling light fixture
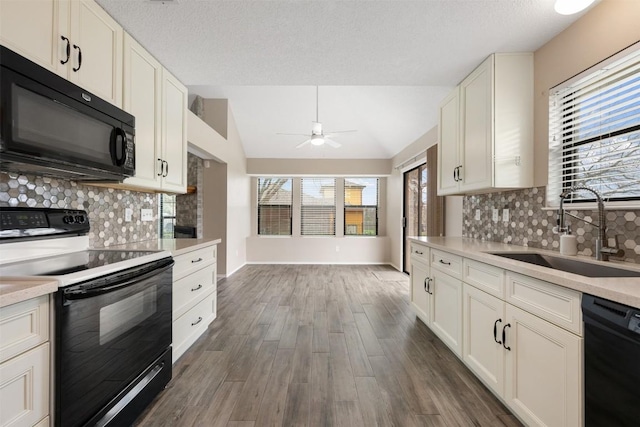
(317, 139)
(569, 7)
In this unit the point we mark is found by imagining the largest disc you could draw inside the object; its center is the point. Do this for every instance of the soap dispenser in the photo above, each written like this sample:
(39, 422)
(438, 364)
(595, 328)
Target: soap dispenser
(568, 243)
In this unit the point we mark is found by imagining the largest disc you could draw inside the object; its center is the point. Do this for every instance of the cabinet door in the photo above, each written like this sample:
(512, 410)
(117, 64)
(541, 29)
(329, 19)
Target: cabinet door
(142, 98)
(447, 310)
(174, 134)
(543, 371)
(30, 28)
(448, 140)
(24, 388)
(99, 44)
(476, 138)
(484, 355)
(419, 297)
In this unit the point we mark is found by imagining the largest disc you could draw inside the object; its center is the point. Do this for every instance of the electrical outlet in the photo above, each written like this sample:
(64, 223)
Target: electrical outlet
(128, 214)
(477, 214)
(495, 215)
(505, 215)
(146, 214)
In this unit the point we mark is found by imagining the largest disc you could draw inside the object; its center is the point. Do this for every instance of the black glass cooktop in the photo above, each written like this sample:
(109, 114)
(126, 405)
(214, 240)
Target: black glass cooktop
(69, 263)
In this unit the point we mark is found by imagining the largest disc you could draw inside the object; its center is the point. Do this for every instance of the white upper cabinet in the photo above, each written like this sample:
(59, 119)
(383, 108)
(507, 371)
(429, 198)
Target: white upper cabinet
(174, 134)
(96, 54)
(73, 38)
(142, 98)
(158, 101)
(486, 142)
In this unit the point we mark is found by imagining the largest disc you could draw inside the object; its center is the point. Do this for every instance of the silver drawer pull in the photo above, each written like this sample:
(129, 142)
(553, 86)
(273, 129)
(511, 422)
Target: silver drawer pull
(196, 288)
(444, 262)
(193, 261)
(420, 253)
(197, 321)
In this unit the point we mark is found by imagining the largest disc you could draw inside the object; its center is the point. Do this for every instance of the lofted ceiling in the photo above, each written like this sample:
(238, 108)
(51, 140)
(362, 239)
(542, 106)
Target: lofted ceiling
(382, 66)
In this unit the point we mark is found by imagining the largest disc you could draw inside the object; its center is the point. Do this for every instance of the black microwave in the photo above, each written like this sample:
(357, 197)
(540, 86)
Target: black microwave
(52, 127)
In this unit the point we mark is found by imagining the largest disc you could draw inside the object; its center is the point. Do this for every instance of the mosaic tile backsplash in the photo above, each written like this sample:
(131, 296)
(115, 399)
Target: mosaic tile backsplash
(529, 225)
(105, 206)
(189, 206)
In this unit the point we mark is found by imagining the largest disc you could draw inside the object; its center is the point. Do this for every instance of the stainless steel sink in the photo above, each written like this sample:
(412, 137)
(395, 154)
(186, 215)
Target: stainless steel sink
(569, 265)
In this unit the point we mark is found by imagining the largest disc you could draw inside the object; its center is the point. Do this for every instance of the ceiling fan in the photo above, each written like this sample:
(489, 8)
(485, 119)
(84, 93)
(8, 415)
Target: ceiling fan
(317, 136)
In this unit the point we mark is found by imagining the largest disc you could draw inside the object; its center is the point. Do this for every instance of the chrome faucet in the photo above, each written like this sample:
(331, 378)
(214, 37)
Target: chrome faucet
(602, 251)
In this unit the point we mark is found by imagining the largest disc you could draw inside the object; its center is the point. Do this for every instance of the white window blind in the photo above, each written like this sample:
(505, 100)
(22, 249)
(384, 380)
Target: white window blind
(361, 206)
(318, 206)
(594, 133)
(274, 206)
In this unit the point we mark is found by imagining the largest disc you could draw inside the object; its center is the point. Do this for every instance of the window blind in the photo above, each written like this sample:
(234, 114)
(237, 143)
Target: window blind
(361, 206)
(274, 206)
(594, 133)
(318, 206)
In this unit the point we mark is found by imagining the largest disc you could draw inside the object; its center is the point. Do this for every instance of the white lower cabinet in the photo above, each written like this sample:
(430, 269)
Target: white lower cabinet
(543, 371)
(523, 340)
(421, 300)
(25, 363)
(194, 297)
(446, 320)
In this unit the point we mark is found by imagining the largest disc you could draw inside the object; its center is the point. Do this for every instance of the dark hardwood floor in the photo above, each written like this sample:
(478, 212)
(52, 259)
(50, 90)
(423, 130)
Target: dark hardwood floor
(321, 345)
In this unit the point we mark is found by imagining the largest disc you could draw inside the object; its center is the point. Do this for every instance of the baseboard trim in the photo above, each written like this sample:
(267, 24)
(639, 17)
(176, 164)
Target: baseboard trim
(314, 263)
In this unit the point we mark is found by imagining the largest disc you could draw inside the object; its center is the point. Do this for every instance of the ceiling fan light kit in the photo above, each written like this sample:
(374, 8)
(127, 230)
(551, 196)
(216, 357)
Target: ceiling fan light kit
(317, 139)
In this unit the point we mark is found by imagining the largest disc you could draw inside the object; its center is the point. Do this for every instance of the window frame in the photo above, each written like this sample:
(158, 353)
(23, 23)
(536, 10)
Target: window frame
(363, 207)
(259, 205)
(332, 224)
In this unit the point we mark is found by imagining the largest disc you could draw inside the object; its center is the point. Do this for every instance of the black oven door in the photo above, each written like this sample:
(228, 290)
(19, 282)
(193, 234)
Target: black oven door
(109, 331)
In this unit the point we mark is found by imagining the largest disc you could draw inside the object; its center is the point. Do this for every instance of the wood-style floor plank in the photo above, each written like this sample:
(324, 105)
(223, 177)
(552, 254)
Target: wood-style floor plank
(320, 345)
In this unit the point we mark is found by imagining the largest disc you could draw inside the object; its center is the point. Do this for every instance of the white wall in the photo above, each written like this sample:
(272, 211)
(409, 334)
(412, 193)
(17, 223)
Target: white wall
(208, 144)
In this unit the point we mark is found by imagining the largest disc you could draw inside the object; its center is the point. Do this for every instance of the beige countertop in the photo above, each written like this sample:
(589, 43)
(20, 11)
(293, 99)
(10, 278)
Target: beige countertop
(625, 290)
(16, 289)
(175, 246)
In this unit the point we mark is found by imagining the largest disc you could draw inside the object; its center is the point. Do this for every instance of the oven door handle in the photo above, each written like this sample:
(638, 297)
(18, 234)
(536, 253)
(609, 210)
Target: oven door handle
(83, 293)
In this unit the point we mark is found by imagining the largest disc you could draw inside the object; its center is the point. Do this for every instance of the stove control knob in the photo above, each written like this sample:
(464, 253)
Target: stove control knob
(68, 219)
(80, 219)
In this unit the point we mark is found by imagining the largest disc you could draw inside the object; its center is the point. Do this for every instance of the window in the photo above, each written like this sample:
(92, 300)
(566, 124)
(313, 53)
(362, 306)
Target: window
(361, 206)
(274, 206)
(318, 207)
(594, 133)
(167, 215)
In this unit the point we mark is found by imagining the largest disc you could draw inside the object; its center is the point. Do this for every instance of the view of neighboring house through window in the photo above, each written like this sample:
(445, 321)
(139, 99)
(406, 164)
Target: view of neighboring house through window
(361, 206)
(167, 215)
(594, 132)
(274, 206)
(318, 207)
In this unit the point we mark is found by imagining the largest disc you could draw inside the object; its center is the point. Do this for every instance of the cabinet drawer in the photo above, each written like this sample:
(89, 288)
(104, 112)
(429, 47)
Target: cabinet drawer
(188, 327)
(24, 388)
(420, 252)
(193, 261)
(23, 326)
(192, 288)
(484, 276)
(558, 305)
(447, 263)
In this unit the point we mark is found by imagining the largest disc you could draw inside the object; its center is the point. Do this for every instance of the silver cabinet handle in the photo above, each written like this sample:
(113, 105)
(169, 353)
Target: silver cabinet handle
(196, 288)
(193, 261)
(197, 321)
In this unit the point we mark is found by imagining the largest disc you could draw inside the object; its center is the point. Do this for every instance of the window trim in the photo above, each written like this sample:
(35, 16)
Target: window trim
(258, 206)
(376, 207)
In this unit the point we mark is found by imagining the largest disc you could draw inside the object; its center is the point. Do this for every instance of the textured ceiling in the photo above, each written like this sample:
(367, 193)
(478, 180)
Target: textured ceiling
(383, 66)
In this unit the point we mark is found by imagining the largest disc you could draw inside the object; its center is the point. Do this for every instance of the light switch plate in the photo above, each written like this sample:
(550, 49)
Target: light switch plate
(128, 214)
(146, 214)
(505, 215)
(477, 214)
(495, 215)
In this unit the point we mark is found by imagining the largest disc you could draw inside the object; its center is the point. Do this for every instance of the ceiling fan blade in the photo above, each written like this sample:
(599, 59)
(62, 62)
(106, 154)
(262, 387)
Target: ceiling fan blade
(294, 134)
(341, 131)
(332, 143)
(302, 144)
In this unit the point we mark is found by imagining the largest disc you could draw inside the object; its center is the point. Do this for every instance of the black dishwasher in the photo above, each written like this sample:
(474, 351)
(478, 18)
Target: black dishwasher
(612, 363)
